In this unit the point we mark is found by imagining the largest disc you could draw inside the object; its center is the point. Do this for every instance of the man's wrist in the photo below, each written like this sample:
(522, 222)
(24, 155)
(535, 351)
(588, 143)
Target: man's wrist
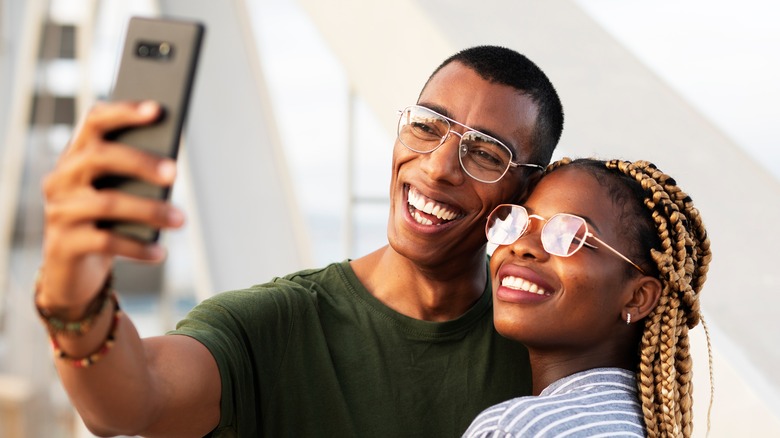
(72, 322)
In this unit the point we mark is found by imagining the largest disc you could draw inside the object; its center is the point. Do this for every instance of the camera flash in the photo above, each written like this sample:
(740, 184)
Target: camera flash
(165, 49)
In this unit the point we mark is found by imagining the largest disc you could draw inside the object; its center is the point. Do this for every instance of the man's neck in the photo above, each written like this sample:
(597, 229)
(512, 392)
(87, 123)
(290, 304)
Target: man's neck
(431, 294)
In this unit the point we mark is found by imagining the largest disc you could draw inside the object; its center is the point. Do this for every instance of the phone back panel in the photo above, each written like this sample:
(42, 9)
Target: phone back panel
(158, 62)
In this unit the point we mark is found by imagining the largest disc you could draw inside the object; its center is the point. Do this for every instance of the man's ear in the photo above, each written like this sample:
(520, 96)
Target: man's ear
(645, 296)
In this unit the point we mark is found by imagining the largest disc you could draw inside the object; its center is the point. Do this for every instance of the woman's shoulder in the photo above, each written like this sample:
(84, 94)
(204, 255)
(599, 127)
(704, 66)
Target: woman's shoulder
(594, 379)
(603, 398)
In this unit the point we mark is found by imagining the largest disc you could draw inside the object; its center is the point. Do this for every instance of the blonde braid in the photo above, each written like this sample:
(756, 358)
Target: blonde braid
(664, 374)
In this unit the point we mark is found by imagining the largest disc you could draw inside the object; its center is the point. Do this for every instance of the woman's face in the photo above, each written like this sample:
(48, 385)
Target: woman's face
(565, 303)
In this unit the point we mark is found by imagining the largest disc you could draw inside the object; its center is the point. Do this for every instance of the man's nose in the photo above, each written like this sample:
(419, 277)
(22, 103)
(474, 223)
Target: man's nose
(443, 163)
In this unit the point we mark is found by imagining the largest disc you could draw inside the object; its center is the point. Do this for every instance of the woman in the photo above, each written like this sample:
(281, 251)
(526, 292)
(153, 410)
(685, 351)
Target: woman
(599, 276)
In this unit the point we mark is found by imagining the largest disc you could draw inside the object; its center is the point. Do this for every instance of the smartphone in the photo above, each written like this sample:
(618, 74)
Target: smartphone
(158, 62)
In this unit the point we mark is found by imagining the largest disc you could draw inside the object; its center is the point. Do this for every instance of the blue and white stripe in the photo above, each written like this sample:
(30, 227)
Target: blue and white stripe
(592, 403)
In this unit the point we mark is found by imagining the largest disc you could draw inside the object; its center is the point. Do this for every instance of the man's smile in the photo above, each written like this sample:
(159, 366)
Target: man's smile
(426, 211)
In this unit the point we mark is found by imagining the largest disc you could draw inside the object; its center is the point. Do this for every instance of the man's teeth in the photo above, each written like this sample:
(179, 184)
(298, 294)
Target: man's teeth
(523, 284)
(428, 206)
(421, 220)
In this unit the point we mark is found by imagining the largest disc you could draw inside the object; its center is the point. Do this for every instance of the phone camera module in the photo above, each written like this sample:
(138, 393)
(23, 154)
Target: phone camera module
(154, 50)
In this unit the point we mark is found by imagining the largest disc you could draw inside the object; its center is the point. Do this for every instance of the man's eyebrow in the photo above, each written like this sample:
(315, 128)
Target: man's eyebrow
(443, 111)
(439, 109)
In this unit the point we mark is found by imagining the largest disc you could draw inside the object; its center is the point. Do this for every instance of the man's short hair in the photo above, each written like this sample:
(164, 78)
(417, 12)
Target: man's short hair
(505, 66)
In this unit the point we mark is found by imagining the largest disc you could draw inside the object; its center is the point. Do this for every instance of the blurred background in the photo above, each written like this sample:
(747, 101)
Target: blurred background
(285, 162)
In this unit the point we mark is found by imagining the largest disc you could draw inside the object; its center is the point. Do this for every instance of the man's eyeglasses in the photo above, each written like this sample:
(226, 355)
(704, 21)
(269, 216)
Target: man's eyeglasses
(562, 235)
(481, 156)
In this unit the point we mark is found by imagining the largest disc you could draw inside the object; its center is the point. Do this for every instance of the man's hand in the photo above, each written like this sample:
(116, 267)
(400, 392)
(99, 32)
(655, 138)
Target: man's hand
(77, 255)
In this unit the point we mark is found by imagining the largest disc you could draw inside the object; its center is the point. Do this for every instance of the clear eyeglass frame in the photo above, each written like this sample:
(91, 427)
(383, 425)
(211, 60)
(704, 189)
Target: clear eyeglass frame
(487, 159)
(562, 235)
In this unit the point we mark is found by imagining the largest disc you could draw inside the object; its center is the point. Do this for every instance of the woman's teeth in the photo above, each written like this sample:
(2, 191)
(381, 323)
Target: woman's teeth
(522, 284)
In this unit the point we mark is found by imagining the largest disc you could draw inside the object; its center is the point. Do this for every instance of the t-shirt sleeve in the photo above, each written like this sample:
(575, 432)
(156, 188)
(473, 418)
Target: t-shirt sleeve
(247, 332)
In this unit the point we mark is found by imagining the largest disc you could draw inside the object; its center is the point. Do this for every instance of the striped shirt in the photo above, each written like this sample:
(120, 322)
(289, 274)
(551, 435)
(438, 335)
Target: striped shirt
(594, 403)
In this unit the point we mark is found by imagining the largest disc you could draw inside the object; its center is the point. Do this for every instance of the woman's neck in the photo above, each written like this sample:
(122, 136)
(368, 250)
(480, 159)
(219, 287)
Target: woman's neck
(549, 366)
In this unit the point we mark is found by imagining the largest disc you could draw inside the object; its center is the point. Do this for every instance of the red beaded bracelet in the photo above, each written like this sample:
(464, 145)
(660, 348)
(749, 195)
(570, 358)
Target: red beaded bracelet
(102, 350)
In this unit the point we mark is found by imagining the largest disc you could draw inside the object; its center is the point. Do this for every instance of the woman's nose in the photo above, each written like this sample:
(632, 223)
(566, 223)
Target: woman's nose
(529, 245)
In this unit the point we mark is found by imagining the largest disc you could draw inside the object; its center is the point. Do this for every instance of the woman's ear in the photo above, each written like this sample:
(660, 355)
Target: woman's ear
(645, 296)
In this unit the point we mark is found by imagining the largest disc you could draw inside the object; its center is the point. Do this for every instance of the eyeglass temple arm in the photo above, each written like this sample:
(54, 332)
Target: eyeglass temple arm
(535, 166)
(615, 251)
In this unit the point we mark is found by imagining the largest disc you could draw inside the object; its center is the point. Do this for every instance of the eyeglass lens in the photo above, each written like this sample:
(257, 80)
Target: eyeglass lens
(562, 234)
(481, 156)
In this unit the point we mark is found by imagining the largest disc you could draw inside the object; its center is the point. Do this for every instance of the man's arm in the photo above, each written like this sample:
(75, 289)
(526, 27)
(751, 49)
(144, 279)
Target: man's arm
(166, 386)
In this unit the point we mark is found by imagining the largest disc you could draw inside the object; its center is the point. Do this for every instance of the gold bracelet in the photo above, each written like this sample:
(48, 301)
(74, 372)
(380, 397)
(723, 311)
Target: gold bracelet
(56, 324)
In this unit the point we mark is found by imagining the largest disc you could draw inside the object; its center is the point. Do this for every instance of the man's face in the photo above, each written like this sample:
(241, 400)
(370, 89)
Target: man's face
(437, 211)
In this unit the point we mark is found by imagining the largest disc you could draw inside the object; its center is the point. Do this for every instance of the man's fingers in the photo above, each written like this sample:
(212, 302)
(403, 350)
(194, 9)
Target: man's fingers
(81, 169)
(106, 117)
(87, 240)
(95, 205)
(118, 159)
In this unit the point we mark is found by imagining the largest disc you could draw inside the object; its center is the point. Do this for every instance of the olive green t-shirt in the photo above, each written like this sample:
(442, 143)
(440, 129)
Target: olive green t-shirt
(315, 354)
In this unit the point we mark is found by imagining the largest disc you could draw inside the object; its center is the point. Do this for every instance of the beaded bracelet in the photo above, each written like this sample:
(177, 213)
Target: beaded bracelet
(102, 350)
(58, 325)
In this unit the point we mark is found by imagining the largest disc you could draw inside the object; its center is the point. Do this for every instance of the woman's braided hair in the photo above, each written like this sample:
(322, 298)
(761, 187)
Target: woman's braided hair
(672, 244)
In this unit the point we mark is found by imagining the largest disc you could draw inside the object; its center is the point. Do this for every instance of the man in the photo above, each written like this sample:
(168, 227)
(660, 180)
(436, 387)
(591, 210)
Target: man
(396, 343)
